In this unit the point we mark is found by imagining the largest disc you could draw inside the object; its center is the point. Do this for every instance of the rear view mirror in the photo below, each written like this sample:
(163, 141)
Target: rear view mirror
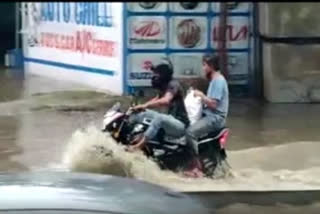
(135, 96)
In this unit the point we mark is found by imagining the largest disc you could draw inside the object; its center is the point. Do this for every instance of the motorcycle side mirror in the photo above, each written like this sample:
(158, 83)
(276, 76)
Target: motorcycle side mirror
(135, 97)
(115, 107)
(132, 100)
(141, 93)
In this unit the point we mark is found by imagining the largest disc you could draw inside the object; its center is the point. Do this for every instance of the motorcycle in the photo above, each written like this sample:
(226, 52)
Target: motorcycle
(170, 153)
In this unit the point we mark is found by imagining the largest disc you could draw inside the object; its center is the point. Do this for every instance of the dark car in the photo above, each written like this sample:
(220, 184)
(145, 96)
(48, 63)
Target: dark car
(77, 193)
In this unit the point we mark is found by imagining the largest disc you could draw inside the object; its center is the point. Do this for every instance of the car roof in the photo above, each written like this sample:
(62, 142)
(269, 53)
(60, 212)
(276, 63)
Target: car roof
(84, 191)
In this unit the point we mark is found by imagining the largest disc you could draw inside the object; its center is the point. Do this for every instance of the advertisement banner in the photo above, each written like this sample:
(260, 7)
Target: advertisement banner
(139, 66)
(189, 7)
(237, 33)
(188, 32)
(72, 35)
(147, 7)
(147, 32)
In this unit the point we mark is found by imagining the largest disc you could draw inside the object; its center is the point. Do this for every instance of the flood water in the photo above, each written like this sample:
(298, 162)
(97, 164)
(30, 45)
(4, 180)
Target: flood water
(271, 146)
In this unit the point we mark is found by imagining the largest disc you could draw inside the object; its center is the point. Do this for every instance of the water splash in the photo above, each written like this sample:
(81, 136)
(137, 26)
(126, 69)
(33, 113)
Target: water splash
(90, 150)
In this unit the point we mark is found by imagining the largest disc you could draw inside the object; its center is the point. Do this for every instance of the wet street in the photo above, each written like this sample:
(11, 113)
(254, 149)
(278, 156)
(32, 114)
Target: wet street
(272, 146)
(30, 136)
(33, 139)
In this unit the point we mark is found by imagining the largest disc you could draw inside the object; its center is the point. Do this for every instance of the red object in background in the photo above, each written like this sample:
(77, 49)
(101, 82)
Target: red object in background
(147, 65)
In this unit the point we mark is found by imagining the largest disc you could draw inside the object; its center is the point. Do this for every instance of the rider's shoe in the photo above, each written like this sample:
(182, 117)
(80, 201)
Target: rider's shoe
(196, 169)
(137, 144)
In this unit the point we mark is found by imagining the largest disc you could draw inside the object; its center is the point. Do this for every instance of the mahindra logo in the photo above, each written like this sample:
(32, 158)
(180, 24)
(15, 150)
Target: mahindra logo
(147, 29)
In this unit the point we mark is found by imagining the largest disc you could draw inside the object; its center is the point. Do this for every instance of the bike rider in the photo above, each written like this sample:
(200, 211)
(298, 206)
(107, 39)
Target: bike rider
(171, 96)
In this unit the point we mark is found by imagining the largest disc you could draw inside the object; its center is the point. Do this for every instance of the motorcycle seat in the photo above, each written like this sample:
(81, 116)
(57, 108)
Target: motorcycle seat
(214, 135)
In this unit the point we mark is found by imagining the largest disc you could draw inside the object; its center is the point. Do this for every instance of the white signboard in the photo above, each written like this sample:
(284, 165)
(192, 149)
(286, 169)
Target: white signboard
(147, 32)
(139, 65)
(238, 66)
(189, 7)
(78, 41)
(187, 64)
(188, 32)
(147, 7)
(237, 33)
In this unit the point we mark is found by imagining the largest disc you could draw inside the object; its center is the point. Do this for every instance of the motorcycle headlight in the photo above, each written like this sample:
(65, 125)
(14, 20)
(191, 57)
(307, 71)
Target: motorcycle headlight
(114, 125)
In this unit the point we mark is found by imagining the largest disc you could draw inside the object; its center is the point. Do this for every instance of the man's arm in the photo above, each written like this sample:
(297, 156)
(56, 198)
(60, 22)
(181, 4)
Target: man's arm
(172, 90)
(163, 101)
(156, 102)
(211, 103)
(152, 100)
(215, 93)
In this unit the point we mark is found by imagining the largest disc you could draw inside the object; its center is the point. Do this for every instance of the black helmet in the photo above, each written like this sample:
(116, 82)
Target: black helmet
(165, 73)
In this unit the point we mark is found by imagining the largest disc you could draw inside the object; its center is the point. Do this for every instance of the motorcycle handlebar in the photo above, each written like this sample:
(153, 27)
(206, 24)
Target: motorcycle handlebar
(131, 110)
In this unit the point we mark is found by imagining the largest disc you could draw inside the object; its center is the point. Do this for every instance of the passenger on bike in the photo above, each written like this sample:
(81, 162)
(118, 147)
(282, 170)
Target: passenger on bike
(215, 111)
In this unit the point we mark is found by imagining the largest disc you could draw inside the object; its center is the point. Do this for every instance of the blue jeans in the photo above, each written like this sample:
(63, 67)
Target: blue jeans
(201, 128)
(172, 126)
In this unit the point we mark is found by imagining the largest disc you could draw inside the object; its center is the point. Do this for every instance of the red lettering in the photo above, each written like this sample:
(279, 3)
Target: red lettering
(51, 40)
(56, 39)
(108, 49)
(42, 39)
(215, 33)
(229, 32)
(88, 38)
(241, 35)
(104, 48)
(96, 47)
(62, 40)
(46, 40)
(68, 43)
(78, 42)
(231, 35)
(72, 44)
(81, 41)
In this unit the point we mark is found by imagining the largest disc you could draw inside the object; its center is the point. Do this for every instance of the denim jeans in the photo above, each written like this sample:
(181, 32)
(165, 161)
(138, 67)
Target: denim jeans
(201, 128)
(172, 126)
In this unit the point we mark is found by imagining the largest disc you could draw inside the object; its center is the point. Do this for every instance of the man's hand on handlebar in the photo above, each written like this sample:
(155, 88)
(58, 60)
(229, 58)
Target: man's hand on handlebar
(139, 108)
